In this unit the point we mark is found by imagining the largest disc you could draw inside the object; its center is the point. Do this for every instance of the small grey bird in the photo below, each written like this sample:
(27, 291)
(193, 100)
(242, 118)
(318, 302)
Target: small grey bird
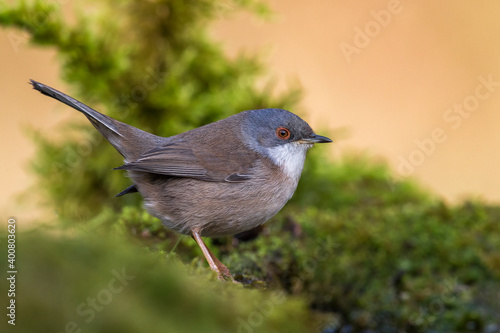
(219, 179)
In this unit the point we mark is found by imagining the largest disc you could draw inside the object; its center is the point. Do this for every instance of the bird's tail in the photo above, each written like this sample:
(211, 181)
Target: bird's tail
(129, 141)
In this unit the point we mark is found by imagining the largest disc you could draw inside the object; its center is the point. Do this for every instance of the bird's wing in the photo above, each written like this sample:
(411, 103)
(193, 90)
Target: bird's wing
(179, 160)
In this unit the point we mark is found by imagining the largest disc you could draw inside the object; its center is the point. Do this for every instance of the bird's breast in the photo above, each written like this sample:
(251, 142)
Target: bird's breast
(218, 208)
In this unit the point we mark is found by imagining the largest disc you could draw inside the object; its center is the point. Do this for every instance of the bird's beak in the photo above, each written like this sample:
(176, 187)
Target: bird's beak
(314, 138)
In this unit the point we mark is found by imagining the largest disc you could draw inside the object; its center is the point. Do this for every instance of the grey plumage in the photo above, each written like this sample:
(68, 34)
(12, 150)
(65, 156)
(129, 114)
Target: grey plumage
(219, 179)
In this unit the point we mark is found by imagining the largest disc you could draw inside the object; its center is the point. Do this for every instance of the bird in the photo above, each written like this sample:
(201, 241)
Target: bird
(219, 179)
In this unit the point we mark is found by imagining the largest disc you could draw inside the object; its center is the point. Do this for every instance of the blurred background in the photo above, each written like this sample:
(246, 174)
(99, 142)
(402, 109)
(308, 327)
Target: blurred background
(361, 247)
(394, 79)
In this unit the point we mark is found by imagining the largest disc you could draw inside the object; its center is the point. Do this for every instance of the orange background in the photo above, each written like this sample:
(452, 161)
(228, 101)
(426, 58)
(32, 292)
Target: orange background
(385, 77)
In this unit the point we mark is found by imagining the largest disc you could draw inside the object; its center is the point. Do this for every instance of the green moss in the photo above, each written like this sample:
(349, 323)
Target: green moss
(100, 283)
(355, 249)
(418, 266)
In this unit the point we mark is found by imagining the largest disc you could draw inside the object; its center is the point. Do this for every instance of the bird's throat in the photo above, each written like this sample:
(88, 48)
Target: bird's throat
(290, 158)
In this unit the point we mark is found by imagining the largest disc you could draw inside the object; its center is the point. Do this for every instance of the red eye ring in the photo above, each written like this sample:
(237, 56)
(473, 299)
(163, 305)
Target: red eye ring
(283, 133)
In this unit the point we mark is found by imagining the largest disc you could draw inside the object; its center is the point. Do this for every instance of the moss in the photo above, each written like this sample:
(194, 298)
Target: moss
(99, 283)
(354, 250)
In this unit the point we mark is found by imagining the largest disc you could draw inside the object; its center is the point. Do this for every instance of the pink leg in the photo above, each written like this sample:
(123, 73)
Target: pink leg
(214, 263)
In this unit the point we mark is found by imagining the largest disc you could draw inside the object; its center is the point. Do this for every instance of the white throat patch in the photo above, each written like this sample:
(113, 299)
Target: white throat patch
(290, 157)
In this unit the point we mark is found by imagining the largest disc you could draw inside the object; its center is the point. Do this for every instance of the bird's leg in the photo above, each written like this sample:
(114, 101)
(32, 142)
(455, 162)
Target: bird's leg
(214, 263)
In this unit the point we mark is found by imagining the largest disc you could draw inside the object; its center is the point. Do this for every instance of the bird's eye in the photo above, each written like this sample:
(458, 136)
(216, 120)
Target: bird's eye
(283, 133)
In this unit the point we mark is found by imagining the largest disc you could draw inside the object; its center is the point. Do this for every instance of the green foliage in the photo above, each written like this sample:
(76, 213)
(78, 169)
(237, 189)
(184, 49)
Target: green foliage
(355, 249)
(384, 262)
(351, 182)
(415, 266)
(98, 283)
